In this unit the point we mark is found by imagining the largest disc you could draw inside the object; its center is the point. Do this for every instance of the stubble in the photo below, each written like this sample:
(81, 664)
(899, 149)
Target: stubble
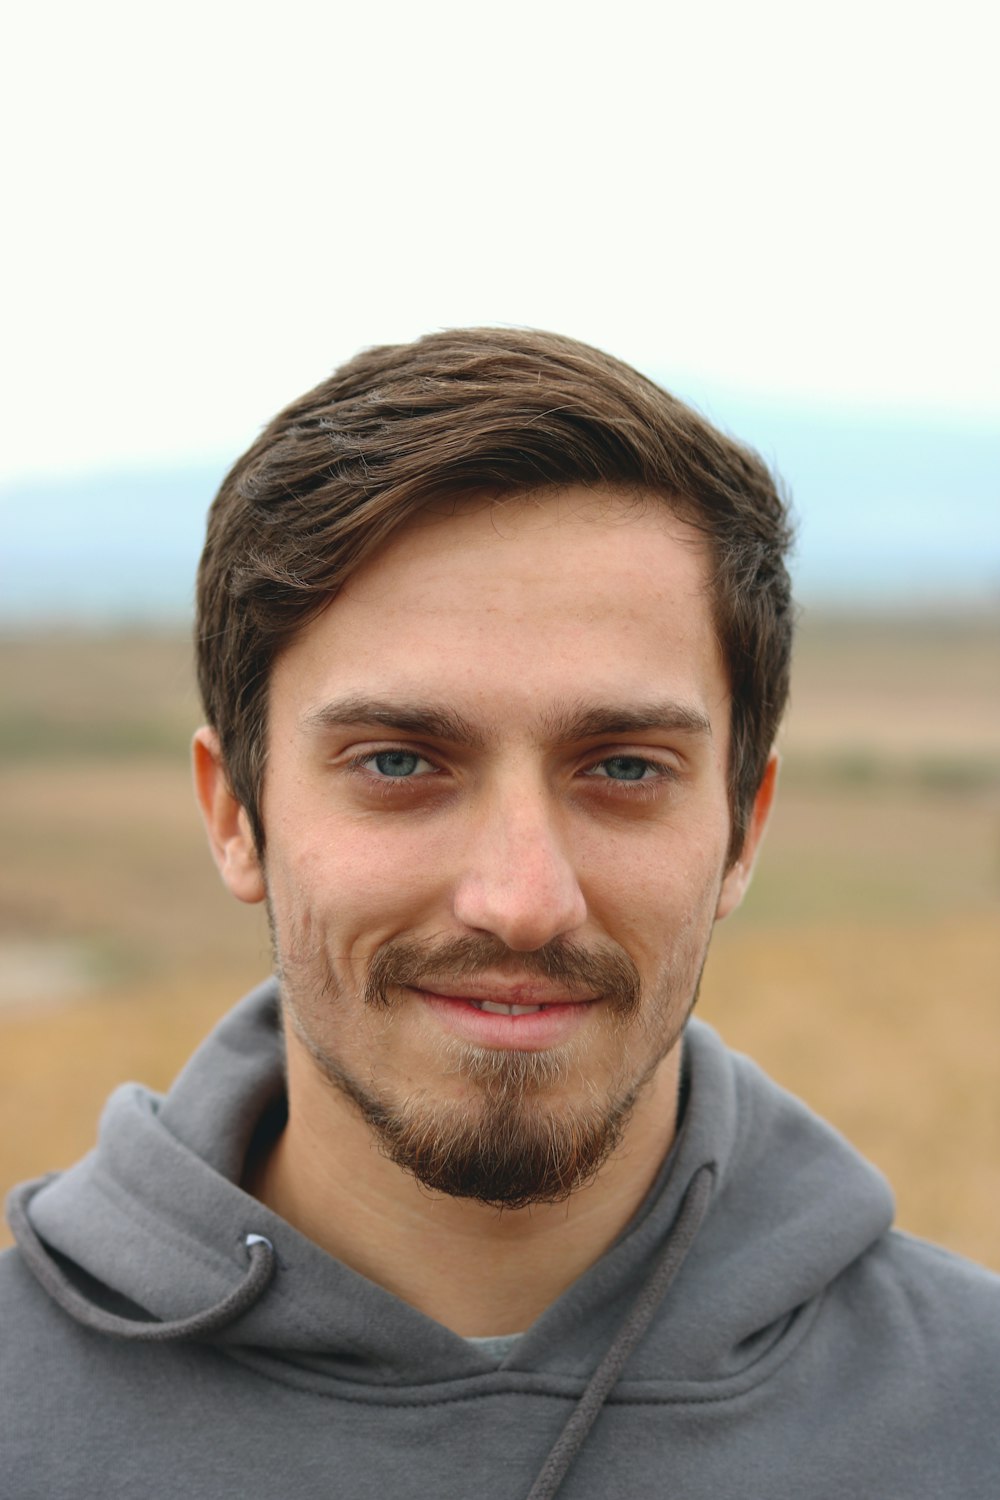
(523, 1127)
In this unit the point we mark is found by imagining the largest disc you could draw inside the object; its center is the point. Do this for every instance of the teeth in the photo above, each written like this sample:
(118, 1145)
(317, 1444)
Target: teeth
(496, 1009)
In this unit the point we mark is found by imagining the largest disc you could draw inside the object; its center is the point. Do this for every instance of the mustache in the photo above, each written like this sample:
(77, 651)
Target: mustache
(606, 970)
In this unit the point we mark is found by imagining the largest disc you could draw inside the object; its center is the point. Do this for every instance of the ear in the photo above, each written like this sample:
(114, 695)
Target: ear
(737, 878)
(228, 827)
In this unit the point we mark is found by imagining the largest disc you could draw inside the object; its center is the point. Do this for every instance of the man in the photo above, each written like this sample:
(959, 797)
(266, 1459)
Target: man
(493, 640)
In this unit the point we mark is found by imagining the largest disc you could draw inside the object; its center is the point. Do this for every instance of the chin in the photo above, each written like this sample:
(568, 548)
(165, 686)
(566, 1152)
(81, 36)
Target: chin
(512, 1147)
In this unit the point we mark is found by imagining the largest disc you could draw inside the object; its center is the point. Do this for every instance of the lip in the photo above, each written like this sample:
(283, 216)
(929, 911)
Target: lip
(540, 1029)
(519, 992)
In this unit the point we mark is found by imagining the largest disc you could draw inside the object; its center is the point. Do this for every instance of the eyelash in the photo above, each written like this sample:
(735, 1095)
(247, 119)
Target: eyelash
(643, 787)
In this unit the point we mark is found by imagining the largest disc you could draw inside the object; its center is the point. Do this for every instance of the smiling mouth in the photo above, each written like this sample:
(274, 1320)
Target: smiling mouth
(493, 1007)
(519, 1022)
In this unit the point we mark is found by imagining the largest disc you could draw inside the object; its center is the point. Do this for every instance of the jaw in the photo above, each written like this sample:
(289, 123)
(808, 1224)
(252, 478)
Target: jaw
(507, 1127)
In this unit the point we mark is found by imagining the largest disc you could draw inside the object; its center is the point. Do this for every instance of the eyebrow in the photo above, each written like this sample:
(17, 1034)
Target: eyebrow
(581, 722)
(587, 722)
(431, 720)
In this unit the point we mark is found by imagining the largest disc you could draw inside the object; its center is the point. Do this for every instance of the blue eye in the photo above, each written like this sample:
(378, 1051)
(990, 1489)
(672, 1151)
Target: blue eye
(396, 763)
(625, 768)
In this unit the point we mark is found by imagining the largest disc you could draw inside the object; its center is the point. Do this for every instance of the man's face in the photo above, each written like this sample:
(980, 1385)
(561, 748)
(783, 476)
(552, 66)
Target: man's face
(497, 821)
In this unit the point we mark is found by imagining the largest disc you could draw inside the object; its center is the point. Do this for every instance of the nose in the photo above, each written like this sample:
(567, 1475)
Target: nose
(518, 881)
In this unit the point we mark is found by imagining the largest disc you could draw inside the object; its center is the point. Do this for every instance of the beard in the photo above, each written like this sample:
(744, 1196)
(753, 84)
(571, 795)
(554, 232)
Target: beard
(529, 1127)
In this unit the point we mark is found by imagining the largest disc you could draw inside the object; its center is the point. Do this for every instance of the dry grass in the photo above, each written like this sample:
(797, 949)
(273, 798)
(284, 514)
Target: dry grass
(863, 972)
(890, 1031)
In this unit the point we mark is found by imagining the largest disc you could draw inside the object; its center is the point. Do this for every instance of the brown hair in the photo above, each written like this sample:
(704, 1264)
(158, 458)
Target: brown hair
(468, 411)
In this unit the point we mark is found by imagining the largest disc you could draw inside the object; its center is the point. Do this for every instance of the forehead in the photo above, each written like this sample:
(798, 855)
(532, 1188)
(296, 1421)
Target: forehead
(521, 605)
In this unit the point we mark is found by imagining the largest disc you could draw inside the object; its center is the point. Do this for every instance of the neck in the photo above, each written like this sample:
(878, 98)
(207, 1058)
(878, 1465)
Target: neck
(477, 1270)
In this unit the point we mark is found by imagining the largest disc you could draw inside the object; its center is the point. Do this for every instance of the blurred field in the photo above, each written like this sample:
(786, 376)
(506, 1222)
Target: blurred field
(863, 973)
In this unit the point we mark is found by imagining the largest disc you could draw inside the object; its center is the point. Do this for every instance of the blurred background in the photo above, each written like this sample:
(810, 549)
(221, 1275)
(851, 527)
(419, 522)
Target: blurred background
(780, 211)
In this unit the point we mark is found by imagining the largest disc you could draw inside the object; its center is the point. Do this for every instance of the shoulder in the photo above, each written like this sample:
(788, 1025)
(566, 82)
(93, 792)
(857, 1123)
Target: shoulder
(75, 1405)
(929, 1305)
(927, 1272)
(42, 1362)
(43, 1353)
(24, 1308)
(939, 1286)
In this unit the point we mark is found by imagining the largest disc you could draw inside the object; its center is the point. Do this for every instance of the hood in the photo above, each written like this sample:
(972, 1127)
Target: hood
(152, 1225)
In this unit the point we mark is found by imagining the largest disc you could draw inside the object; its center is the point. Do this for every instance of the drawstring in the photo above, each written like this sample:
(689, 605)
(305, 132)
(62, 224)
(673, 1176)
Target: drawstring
(583, 1416)
(61, 1290)
(694, 1206)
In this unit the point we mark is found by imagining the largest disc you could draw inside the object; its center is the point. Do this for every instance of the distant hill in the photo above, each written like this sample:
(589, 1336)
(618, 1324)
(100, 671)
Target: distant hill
(891, 513)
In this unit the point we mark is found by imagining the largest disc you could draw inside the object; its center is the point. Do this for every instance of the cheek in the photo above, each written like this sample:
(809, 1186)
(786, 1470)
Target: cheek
(350, 886)
(657, 898)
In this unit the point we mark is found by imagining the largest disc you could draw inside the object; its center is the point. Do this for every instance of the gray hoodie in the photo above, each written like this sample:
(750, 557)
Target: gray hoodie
(758, 1330)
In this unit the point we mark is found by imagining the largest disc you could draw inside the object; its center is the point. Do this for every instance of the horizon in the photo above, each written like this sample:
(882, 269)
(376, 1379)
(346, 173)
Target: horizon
(869, 491)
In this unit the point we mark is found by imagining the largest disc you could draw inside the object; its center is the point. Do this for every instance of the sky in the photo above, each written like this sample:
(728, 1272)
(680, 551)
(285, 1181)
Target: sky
(210, 205)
